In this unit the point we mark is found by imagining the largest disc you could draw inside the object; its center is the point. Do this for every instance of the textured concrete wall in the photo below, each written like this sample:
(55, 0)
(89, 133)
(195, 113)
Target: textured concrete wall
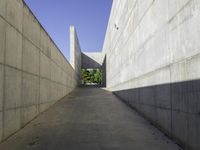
(92, 59)
(156, 42)
(33, 72)
(75, 51)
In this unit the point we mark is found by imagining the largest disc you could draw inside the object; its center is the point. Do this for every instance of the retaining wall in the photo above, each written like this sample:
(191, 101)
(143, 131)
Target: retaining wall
(34, 74)
(152, 58)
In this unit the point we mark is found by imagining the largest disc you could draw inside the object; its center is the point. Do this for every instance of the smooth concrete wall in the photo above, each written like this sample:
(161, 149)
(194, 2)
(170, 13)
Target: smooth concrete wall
(92, 59)
(33, 72)
(75, 51)
(151, 44)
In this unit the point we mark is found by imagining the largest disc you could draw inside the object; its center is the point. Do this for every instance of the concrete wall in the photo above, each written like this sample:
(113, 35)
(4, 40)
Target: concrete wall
(92, 59)
(75, 51)
(152, 50)
(33, 72)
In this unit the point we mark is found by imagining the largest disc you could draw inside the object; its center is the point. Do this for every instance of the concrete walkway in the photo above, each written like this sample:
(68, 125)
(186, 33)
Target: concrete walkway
(89, 119)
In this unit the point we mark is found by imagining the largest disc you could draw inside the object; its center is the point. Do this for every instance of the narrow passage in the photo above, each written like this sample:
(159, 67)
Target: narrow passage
(89, 119)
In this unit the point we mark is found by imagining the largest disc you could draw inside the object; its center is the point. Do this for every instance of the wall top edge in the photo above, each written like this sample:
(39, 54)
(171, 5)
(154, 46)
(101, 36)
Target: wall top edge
(25, 5)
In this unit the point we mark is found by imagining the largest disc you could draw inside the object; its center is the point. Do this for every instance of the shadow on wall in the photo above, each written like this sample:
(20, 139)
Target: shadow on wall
(104, 73)
(88, 62)
(174, 108)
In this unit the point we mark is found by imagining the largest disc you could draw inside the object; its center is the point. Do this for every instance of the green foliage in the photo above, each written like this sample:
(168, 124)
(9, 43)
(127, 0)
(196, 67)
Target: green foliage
(92, 76)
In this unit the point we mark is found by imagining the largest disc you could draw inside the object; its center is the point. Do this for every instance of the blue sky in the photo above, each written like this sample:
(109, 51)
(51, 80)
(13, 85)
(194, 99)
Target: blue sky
(90, 17)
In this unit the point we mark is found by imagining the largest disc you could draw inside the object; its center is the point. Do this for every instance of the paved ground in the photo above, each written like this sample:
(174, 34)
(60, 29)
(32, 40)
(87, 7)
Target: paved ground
(89, 119)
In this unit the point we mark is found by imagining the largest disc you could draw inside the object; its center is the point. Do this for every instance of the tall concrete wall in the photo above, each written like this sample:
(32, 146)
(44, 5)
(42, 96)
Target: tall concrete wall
(33, 72)
(75, 51)
(152, 57)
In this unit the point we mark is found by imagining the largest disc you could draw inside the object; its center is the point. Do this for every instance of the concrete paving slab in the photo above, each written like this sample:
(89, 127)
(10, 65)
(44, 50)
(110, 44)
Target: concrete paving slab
(1, 86)
(164, 119)
(180, 126)
(45, 43)
(3, 8)
(13, 47)
(194, 131)
(162, 94)
(28, 113)
(45, 90)
(89, 119)
(45, 66)
(11, 121)
(44, 106)
(1, 125)
(2, 38)
(14, 13)
(31, 27)
(30, 57)
(30, 90)
(12, 88)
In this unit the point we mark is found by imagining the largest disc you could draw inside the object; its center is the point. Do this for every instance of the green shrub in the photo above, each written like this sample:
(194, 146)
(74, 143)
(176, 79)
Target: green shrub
(92, 76)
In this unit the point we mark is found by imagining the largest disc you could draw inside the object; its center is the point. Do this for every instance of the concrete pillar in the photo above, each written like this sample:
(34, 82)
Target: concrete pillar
(75, 50)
